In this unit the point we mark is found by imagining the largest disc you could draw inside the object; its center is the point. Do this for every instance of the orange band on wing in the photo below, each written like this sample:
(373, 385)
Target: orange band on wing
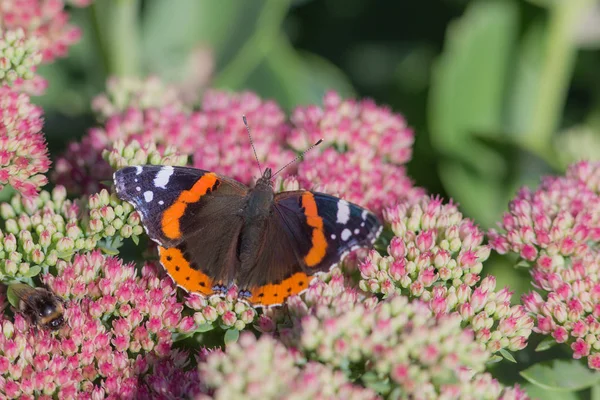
(319, 244)
(172, 215)
(182, 273)
(276, 293)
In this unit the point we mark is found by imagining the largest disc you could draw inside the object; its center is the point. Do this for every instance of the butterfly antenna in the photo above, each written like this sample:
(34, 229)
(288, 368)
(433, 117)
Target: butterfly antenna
(252, 143)
(297, 158)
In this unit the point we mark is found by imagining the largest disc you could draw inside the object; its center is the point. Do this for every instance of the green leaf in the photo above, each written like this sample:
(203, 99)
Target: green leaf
(231, 336)
(536, 392)
(561, 375)
(296, 79)
(469, 80)
(33, 271)
(546, 344)
(109, 251)
(506, 354)
(494, 359)
(204, 327)
(135, 239)
(13, 299)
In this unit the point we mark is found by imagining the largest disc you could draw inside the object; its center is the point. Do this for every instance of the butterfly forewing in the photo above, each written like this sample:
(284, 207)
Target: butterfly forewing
(195, 217)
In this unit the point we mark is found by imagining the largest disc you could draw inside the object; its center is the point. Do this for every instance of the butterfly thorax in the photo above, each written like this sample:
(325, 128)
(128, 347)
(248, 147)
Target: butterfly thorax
(256, 213)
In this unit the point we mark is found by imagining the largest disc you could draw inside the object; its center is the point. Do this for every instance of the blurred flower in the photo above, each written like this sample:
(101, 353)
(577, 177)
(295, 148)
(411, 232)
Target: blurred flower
(123, 93)
(265, 369)
(117, 341)
(555, 230)
(576, 144)
(44, 19)
(436, 255)
(23, 151)
(357, 177)
(378, 341)
(223, 145)
(18, 56)
(360, 126)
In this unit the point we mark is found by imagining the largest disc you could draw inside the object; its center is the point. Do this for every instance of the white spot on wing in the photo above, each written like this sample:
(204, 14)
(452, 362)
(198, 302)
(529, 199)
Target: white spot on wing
(148, 196)
(139, 189)
(333, 236)
(364, 215)
(362, 224)
(343, 212)
(161, 202)
(346, 234)
(138, 170)
(356, 231)
(163, 176)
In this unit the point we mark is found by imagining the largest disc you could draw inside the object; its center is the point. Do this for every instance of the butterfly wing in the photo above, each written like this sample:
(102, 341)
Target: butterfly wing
(193, 215)
(307, 233)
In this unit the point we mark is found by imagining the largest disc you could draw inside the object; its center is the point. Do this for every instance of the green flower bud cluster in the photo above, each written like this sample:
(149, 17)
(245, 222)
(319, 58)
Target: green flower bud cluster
(38, 232)
(122, 155)
(134, 92)
(19, 56)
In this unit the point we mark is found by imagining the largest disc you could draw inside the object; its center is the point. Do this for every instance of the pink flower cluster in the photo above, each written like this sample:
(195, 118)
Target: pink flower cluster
(44, 19)
(23, 152)
(265, 369)
(389, 345)
(119, 328)
(223, 145)
(351, 125)
(216, 138)
(436, 255)
(555, 230)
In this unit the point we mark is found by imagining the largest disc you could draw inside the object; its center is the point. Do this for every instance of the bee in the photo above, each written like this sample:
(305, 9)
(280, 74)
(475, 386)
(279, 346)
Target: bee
(40, 306)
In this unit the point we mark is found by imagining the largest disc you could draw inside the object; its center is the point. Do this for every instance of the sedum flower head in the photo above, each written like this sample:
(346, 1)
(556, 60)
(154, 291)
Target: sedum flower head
(44, 19)
(554, 229)
(116, 343)
(123, 93)
(436, 255)
(223, 145)
(38, 232)
(353, 125)
(396, 347)
(264, 368)
(19, 56)
(23, 152)
(361, 178)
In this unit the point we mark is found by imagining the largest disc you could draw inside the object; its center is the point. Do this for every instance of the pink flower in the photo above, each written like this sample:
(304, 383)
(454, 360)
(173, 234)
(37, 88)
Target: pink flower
(23, 152)
(44, 19)
(358, 126)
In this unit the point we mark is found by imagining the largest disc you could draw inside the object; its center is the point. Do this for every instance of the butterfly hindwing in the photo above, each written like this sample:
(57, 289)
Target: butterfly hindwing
(191, 214)
(307, 233)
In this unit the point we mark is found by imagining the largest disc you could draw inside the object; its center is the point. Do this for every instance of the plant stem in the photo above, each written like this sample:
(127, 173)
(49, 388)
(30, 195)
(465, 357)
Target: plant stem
(118, 35)
(560, 54)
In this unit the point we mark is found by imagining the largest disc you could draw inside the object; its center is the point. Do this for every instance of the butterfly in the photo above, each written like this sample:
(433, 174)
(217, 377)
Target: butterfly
(214, 231)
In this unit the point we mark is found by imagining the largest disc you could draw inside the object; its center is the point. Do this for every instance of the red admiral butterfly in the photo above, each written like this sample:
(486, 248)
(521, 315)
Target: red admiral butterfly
(213, 231)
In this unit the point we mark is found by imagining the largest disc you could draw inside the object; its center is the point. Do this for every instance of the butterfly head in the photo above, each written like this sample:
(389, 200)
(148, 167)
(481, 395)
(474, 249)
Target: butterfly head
(265, 179)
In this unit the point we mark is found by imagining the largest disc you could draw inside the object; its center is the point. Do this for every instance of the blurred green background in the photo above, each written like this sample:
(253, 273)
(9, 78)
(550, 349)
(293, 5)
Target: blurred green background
(499, 92)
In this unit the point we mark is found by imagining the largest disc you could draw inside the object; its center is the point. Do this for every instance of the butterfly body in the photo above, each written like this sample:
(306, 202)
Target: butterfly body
(213, 231)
